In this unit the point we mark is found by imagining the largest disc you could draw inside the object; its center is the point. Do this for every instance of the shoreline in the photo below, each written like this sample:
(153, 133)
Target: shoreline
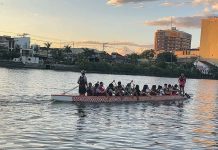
(74, 68)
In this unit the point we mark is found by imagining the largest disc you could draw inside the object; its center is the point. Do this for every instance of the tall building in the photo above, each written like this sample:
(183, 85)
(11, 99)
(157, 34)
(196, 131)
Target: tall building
(209, 39)
(22, 42)
(172, 39)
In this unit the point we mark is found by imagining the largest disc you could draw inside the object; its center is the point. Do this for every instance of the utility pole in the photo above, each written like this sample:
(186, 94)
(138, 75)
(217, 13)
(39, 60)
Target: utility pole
(104, 46)
(171, 23)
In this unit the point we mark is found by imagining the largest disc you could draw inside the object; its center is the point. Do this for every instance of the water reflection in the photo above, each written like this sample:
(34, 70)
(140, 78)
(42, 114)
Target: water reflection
(205, 112)
(81, 116)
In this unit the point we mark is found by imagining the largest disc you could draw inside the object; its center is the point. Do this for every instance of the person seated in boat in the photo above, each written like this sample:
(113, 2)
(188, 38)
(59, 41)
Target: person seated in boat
(101, 91)
(128, 89)
(110, 89)
(95, 89)
(175, 90)
(160, 90)
(136, 91)
(90, 90)
(165, 89)
(169, 90)
(119, 90)
(145, 91)
(154, 90)
(82, 81)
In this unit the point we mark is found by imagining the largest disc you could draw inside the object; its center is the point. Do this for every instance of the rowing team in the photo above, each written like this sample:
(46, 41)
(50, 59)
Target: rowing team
(119, 90)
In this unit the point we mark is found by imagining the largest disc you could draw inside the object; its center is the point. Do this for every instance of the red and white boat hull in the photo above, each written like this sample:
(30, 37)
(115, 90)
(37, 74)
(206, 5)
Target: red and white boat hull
(109, 99)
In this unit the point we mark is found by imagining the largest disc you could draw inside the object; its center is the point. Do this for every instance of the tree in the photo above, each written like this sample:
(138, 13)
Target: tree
(166, 57)
(67, 49)
(133, 57)
(148, 54)
(47, 45)
(57, 55)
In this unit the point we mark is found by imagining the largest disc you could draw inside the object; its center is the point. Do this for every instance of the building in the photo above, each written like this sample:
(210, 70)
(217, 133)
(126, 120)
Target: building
(27, 57)
(172, 39)
(209, 40)
(7, 43)
(187, 53)
(22, 42)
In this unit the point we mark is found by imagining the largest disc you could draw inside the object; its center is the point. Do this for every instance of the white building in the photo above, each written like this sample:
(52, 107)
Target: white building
(27, 57)
(22, 42)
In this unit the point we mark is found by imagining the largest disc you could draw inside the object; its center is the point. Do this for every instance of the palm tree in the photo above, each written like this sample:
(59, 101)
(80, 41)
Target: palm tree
(47, 45)
(67, 49)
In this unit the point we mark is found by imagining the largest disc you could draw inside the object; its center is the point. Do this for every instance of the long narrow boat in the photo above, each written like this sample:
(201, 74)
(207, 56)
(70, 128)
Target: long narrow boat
(112, 99)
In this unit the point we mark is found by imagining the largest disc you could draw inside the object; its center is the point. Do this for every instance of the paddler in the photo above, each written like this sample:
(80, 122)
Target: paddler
(82, 81)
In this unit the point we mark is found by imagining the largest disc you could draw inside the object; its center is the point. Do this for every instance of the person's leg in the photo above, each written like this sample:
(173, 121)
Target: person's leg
(183, 91)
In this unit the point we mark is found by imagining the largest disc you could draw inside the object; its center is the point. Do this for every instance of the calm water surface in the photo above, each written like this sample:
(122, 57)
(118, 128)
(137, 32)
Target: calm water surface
(29, 120)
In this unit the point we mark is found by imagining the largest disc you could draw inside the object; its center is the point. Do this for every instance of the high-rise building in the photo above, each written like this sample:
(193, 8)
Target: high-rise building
(209, 39)
(172, 39)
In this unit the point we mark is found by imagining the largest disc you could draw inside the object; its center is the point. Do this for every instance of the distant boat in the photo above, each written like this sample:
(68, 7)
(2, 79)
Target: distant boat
(114, 99)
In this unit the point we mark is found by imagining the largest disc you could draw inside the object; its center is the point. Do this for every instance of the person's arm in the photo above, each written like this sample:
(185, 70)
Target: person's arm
(85, 78)
(78, 81)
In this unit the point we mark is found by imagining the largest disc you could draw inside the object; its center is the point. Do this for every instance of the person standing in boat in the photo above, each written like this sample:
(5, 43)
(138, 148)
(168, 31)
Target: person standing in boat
(82, 81)
(182, 81)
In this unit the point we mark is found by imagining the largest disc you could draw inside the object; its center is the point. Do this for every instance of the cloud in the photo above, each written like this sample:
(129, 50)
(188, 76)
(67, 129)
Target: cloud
(170, 4)
(120, 2)
(210, 5)
(182, 22)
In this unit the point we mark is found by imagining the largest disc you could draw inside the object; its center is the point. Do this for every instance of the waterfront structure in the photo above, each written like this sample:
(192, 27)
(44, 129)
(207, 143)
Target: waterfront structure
(209, 40)
(27, 57)
(172, 39)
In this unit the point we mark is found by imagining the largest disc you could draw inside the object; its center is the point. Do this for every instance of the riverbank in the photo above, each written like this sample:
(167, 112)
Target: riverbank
(157, 70)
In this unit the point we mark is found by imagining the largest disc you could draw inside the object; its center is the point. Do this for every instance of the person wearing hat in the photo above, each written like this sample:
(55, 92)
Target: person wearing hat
(82, 81)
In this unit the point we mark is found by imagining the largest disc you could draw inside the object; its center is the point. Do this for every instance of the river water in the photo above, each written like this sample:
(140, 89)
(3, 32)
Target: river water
(30, 120)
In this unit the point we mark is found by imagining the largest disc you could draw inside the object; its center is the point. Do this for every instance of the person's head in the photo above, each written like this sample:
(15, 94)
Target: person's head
(128, 85)
(154, 87)
(159, 87)
(176, 86)
(182, 74)
(169, 85)
(83, 72)
(119, 83)
(90, 84)
(96, 85)
(165, 85)
(145, 87)
(111, 85)
(101, 83)
(137, 87)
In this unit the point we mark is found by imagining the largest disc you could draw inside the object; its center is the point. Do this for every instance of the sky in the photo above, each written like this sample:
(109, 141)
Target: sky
(118, 21)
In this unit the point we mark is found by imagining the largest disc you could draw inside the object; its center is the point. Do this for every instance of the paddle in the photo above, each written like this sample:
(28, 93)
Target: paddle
(70, 90)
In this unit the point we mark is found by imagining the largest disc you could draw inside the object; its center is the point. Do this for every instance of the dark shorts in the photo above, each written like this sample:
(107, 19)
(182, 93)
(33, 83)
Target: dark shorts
(82, 90)
(182, 86)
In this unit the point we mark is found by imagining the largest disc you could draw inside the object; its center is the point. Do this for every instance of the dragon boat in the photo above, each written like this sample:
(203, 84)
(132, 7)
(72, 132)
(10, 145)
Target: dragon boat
(122, 99)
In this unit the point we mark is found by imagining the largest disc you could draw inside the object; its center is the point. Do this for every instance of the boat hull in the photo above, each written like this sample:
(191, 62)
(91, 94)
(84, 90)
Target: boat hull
(110, 99)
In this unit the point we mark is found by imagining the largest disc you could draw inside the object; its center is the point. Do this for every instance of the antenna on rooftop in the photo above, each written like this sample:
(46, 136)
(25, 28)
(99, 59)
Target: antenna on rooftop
(23, 34)
(171, 22)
